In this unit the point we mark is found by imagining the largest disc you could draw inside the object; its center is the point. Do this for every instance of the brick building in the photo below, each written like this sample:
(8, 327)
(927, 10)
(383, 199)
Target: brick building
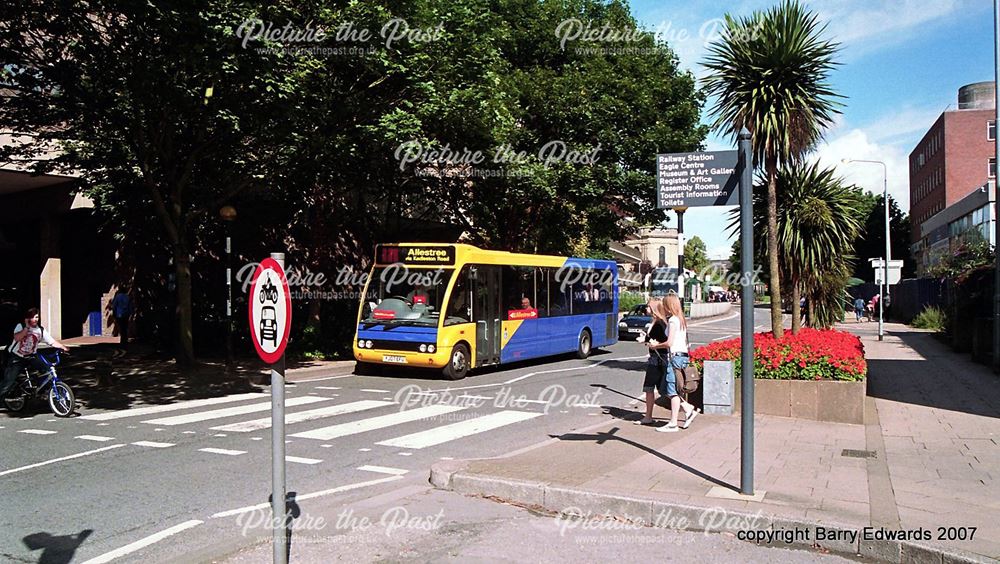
(954, 159)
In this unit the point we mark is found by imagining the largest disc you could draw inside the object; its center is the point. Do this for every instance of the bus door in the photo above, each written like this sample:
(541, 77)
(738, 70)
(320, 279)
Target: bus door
(486, 313)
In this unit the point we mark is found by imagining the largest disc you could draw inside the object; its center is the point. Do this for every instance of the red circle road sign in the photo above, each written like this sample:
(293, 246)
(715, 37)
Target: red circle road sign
(270, 311)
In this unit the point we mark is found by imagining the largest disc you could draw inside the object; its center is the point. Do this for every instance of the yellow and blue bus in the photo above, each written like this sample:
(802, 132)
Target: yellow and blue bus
(455, 307)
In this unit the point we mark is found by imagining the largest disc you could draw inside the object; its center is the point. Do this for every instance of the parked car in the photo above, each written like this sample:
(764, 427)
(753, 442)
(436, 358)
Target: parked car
(636, 321)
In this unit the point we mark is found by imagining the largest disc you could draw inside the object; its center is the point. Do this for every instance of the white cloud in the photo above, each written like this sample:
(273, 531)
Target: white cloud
(862, 26)
(857, 144)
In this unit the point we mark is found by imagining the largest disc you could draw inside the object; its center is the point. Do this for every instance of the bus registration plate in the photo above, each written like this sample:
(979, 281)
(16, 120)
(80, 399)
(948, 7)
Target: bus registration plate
(394, 358)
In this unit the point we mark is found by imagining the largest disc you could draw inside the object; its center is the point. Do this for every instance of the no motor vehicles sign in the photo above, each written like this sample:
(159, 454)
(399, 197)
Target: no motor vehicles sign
(270, 311)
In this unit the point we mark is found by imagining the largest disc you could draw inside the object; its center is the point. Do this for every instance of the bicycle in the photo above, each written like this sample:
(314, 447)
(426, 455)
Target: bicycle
(60, 395)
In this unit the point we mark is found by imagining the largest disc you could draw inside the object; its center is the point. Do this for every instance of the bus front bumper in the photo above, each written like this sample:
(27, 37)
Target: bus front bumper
(437, 359)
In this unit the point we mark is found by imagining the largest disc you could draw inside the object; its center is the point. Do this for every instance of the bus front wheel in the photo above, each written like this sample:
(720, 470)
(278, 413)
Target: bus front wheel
(583, 348)
(458, 364)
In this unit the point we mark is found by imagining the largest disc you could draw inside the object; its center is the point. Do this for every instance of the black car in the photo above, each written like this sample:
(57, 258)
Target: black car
(635, 321)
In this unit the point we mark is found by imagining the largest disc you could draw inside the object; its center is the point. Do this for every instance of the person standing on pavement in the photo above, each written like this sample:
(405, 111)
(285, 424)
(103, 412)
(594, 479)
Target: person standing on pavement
(121, 308)
(677, 354)
(656, 364)
(27, 335)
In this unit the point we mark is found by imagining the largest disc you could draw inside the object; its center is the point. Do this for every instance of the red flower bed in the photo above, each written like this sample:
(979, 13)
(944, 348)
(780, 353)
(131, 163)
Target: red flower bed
(813, 354)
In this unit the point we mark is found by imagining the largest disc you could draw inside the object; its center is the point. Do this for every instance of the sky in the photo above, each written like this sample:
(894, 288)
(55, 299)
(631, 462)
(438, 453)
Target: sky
(902, 62)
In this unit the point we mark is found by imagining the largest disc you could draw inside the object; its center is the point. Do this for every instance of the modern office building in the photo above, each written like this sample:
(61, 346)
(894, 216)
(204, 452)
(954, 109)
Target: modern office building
(954, 160)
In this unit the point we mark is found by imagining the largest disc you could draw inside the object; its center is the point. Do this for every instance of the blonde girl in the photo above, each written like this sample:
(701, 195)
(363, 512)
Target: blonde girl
(677, 347)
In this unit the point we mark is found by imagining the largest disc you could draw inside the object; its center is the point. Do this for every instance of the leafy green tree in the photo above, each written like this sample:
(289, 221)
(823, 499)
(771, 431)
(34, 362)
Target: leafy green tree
(161, 102)
(769, 74)
(695, 255)
(871, 242)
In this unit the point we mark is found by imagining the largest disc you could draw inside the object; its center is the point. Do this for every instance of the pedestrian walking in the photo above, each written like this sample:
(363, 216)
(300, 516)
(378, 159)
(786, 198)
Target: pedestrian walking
(677, 349)
(859, 308)
(121, 308)
(657, 363)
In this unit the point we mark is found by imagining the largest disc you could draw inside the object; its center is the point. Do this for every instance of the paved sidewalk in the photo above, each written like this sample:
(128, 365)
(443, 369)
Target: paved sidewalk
(933, 424)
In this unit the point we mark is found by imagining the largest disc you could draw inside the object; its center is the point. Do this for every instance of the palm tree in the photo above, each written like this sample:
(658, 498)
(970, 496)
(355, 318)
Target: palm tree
(817, 225)
(768, 73)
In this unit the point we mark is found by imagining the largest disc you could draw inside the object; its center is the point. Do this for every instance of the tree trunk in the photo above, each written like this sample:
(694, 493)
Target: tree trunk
(810, 312)
(185, 341)
(772, 245)
(314, 321)
(796, 308)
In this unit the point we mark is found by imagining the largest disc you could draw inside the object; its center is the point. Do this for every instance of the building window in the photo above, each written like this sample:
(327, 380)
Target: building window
(663, 256)
(993, 168)
(991, 130)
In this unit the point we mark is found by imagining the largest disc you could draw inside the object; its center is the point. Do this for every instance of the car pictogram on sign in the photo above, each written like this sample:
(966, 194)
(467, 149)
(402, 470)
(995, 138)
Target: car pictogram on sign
(268, 326)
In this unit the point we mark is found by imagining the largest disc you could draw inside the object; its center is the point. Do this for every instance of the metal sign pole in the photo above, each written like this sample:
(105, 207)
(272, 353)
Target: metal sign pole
(746, 314)
(996, 188)
(279, 511)
(680, 253)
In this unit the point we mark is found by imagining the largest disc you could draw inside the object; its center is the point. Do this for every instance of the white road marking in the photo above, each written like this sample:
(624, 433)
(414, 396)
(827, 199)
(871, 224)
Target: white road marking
(224, 451)
(51, 420)
(37, 432)
(458, 430)
(189, 432)
(326, 378)
(447, 458)
(405, 453)
(325, 446)
(723, 337)
(302, 460)
(364, 450)
(170, 407)
(143, 543)
(733, 316)
(585, 405)
(220, 435)
(151, 444)
(372, 423)
(374, 391)
(103, 424)
(340, 409)
(95, 438)
(327, 388)
(229, 411)
(530, 374)
(54, 460)
(321, 493)
(383, 470)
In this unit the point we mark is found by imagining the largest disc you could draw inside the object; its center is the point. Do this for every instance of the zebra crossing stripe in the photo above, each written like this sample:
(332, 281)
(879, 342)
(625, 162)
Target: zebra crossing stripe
(151, 444)
(38, 432)
(372, 423)
(230, 411)
(330, 411)
(224, 451)
(302, 460)
(458, 430)
(95, 438)
(135, 412)
(383, 470)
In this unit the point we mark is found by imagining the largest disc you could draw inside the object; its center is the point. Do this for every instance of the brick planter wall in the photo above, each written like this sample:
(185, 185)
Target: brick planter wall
(817, 400)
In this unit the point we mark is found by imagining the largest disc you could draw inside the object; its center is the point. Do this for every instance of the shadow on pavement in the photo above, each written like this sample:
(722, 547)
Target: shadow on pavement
(611, 435)
(56, 549)
(941, 378)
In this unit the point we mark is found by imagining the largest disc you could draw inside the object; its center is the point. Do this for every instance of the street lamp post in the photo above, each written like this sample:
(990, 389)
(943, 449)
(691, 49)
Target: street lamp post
(228, 215)
(888, 247)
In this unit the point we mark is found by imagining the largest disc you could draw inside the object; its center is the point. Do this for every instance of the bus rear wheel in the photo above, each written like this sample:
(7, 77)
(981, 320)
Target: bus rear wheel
(458, 364)
(583, 348)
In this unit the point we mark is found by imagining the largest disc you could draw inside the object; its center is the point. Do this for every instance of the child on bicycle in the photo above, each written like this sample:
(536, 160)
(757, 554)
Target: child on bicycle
(27, 335)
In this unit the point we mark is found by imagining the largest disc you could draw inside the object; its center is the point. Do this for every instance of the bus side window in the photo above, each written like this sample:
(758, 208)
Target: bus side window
(541, 292)
(558, 295)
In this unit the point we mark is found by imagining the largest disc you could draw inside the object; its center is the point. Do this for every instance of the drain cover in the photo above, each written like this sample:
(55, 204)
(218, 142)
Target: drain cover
(858, 453)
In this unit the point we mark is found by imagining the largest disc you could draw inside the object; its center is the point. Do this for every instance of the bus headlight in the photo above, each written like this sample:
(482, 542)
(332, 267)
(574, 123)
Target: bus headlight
(369, 344)
(430, 348)
(423, 348)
